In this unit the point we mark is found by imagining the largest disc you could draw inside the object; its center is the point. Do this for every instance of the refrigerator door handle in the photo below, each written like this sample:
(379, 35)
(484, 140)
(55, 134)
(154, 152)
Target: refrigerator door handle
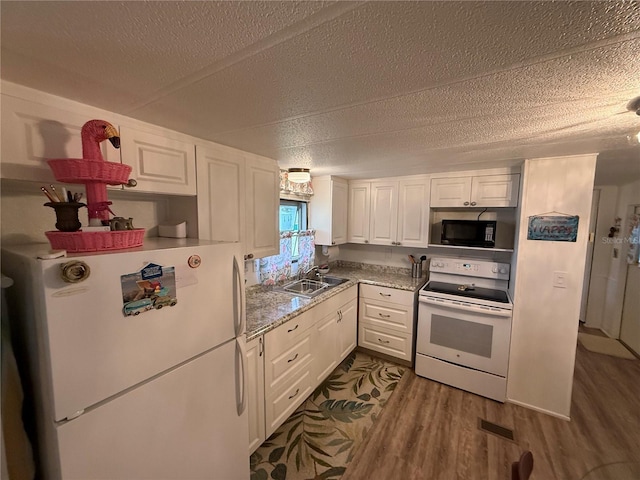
(239, 324)
(241, 386)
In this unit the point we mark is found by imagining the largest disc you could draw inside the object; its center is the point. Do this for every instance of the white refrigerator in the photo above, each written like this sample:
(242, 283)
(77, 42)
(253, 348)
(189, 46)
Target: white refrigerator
(136, 359)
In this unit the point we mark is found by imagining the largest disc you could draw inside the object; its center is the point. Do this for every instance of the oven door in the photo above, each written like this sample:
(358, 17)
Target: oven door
(465, 334)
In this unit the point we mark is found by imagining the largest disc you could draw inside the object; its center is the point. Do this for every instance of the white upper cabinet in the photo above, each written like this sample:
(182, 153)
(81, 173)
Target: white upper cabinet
(328, 210)
(413, 212)
(262, 187)
(359, 212)
(221, 193)
(390, 212)
(33, 133)
(476, 191)
(160, 163)
(383, 223)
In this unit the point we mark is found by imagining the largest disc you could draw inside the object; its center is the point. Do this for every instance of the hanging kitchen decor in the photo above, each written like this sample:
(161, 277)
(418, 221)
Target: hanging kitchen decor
(553, 226)
(95, 173)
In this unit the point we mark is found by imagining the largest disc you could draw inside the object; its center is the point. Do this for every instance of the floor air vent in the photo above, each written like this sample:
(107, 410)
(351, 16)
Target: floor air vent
(495, 429)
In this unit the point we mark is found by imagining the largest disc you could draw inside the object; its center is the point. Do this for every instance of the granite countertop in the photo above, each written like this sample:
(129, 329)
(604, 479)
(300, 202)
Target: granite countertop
(268, 307)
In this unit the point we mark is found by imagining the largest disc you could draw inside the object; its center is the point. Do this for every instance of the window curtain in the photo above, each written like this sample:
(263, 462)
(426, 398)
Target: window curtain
(291, 189)
(279, 268)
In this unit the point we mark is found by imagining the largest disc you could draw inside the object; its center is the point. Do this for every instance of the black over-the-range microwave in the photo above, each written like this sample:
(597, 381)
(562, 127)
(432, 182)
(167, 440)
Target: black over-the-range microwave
(469, 233)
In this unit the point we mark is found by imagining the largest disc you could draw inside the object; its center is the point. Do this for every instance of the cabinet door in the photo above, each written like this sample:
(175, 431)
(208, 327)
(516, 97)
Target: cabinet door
(413, 212)
(159, 164)
(326, 346)
(339, 199)
(262, 187)
(359, 210)
(384, 213)
(495, 191)
(255, 393)
(221, 194)
(451, 192)
(328, 210)
(348, 328)
(33, 133)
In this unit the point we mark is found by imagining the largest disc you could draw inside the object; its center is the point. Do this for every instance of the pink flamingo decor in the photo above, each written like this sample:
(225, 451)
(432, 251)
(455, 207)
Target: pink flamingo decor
(95, 173)
(93, 132)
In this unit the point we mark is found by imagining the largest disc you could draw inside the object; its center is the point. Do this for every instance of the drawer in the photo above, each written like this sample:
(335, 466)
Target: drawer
(393, 295)
(331, 305)
(387, 315)
(278, 407)
(281, 365)
(386, 341)
(283, 337)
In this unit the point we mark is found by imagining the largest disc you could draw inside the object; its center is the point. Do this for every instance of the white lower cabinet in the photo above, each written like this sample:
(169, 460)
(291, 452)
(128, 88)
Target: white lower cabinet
(255, 393)
(301, 353)
(386, 321)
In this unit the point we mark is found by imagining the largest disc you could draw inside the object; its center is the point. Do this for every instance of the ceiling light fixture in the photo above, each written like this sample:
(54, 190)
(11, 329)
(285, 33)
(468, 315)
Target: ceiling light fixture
(299, 175)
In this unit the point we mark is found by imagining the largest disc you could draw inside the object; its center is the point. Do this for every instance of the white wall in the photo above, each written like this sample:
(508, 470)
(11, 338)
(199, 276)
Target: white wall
(602, 255)
(398, 256)
(25, 218)
(545, 318)
(628, 195)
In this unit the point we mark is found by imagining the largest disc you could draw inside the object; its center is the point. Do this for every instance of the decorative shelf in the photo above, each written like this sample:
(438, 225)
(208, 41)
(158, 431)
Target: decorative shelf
(95, 241)
(80, 170)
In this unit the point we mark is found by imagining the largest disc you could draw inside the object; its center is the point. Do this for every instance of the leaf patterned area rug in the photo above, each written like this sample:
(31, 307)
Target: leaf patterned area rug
(321, 437)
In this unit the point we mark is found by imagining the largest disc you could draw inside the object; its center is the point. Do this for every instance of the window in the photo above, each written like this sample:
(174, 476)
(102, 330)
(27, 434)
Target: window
(293, 218)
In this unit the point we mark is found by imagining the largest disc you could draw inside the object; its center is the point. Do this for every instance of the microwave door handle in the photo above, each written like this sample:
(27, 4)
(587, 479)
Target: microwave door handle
(467, 308)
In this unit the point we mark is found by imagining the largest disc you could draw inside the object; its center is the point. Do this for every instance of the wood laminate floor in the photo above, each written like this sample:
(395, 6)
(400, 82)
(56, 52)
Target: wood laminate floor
(430, 431)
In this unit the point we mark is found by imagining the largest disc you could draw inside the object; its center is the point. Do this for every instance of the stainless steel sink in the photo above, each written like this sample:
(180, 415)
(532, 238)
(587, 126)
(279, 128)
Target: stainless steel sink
(306, 288)
(310, 288)
(333, 281)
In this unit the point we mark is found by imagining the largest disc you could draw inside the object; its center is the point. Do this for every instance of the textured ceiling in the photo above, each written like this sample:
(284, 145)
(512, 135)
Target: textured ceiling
(358, 89)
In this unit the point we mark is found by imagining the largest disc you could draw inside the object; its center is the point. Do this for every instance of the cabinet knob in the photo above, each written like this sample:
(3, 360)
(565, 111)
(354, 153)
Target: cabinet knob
(249, 256)
(383, 341)
(131, 183)
(473, 204)
(466, 204)
(366, 241)
(333, 243)
(398, 243)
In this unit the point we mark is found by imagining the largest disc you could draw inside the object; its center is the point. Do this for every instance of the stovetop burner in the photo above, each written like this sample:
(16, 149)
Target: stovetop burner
(468, 291)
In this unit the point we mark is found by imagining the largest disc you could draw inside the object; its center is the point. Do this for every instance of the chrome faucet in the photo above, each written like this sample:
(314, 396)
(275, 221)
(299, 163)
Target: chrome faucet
(312, 273)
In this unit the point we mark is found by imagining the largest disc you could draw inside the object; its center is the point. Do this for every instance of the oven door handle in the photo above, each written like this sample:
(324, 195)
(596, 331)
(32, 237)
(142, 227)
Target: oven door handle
(466, 307)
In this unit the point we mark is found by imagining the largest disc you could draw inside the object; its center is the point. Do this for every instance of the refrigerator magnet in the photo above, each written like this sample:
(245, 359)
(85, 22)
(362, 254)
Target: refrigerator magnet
(152, 288)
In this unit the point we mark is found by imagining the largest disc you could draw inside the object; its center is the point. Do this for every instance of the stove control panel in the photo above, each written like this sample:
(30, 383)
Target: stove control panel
(471, 268)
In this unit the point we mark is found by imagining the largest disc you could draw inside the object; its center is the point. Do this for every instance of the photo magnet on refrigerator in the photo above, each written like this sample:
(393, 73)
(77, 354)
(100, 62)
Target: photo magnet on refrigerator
(152, 288)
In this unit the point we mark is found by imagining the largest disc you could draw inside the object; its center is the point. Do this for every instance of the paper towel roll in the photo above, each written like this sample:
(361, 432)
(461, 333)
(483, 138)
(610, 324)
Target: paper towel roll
(330, 252)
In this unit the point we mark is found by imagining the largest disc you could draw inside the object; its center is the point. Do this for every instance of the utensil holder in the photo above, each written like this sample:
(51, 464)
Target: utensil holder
(67, 215)
(416, 270)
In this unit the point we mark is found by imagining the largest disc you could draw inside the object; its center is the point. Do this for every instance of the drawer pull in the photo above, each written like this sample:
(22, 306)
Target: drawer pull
(383, 341)
(385, 294)
(384, 316)
(292, 359)
(297, 391)
(291, 330)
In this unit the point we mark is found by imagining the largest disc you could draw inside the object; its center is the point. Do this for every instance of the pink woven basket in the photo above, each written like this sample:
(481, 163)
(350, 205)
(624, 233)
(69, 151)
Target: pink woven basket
(80, 170)
(95, 241)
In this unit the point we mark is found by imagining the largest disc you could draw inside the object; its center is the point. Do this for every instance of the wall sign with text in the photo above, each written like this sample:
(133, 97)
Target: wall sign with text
(557, 228)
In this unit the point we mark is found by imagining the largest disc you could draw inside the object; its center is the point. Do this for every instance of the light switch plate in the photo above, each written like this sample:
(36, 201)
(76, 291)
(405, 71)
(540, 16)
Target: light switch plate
(560, 279)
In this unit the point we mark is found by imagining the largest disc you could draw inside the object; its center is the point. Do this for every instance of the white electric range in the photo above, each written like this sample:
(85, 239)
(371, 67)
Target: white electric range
(464, 326)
